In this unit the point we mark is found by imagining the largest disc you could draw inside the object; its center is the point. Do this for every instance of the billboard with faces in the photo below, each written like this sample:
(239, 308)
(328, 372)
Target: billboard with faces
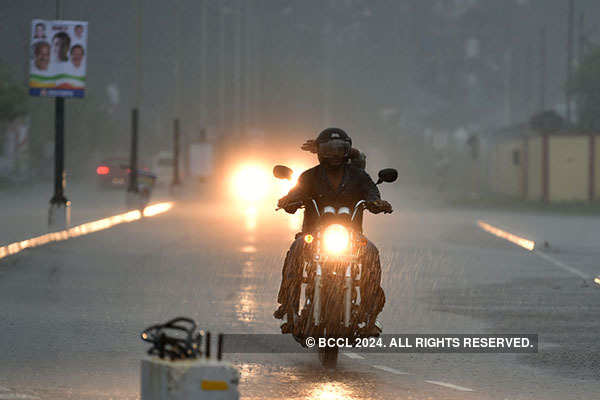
(58, 58)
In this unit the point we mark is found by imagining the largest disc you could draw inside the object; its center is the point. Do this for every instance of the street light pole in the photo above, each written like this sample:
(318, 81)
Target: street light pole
(222, 72)
(570, 25)
(133, 158)
(176, 181)
(237, 69)
(203, 67)
(542, 93)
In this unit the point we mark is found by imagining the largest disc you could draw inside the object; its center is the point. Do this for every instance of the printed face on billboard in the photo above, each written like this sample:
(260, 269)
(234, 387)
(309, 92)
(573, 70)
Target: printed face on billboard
(58, 58)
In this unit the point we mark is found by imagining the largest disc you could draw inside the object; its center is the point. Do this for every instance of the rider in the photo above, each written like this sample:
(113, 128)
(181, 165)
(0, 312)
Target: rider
(356, 157)
(334, 182)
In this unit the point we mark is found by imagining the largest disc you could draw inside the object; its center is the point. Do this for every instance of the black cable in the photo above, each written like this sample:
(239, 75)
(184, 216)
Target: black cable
(167, 340)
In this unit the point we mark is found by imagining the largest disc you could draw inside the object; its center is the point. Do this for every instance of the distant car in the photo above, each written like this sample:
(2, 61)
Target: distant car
(114, 172)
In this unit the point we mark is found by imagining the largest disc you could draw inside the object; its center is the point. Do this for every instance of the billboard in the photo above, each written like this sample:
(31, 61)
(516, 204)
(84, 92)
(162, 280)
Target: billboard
(58, 58)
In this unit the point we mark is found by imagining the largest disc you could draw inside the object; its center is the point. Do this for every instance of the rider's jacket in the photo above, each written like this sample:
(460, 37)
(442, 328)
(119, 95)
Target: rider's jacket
(356, 185)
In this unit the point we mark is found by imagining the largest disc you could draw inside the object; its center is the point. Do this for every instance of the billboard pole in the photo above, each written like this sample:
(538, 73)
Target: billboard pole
(58, 200)
(59, 153)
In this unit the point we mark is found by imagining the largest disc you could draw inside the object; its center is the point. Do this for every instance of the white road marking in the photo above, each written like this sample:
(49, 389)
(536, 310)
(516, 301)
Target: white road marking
(530, 245)
(519, 241)
(392, 370)
(16, 396)
(562, 265)
(84, 229)
(354, 356)
(451, 386)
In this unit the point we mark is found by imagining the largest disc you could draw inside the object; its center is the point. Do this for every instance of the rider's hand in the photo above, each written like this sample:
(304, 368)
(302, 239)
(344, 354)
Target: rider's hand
(287, 205)
(310, 145)
(378, 206)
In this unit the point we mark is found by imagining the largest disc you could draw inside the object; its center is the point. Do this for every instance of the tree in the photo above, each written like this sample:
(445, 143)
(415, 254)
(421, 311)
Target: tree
(585, 86)
(13, 97)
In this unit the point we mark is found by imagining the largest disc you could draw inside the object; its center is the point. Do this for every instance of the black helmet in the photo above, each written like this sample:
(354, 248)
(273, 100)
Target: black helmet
(333, 147)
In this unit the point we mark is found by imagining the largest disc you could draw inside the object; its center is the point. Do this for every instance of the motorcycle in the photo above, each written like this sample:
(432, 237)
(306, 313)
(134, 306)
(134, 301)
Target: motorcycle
(331, 274)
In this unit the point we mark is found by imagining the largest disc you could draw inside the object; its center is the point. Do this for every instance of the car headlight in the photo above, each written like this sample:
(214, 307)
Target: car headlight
(336, 239)
(251, 183)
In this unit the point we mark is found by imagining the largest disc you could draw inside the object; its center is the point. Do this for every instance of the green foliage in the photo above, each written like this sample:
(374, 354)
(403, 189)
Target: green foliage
(13, 97)
(90, 133)
(585, 85)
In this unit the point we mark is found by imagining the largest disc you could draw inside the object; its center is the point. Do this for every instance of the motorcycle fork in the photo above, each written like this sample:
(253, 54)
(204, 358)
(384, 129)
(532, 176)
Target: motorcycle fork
(348, 296)
(317, 295)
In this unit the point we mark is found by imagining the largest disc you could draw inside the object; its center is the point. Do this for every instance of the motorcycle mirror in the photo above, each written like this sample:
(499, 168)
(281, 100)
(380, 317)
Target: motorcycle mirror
(388, 175)
(282, 172)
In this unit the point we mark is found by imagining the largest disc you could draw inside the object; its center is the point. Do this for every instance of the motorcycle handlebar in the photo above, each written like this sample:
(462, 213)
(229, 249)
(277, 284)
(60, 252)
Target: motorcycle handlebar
(298, 204)
(362, 204)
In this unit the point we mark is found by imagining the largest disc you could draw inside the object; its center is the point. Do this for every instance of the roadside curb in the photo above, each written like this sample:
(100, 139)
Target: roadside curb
(84, 229)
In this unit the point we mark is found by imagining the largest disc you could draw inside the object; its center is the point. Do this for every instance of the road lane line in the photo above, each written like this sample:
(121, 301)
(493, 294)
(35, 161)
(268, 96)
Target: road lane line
(451, 386)
(530, 245)
(84, 229)
(354, 356)
(519, 241)
(562, 265)
(392, 370)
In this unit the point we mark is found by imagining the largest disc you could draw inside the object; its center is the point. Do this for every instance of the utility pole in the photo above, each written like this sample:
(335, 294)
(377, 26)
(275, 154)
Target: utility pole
(133, 157)
(237, 66)
(247, 68)
(509, 64)
(176, 180)
(258, 70)
(529, 82)
(222, 67)
(581, 39)
(508, 93)
(542, 69)
(327, 72)
(58, 200)
(570, 26)
(203, 69)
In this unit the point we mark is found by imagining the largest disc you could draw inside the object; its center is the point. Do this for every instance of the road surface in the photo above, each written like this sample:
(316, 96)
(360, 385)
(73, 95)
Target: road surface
(72, 311)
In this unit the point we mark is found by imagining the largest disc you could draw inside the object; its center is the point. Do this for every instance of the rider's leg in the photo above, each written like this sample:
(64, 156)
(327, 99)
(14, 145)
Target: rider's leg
(291, 276)
(371, 293)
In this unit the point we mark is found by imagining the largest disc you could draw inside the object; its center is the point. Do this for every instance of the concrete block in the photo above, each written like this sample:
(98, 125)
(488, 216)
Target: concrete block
(188, 379)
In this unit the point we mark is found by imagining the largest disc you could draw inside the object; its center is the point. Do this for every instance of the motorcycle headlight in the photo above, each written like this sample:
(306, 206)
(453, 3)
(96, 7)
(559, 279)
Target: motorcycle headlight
(336, 239)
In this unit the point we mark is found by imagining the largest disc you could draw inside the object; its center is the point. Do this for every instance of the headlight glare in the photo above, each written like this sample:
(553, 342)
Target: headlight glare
(336, 239)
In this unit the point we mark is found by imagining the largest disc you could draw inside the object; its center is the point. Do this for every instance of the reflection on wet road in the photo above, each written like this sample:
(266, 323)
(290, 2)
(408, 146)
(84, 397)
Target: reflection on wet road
(304, 379)
(81, 306)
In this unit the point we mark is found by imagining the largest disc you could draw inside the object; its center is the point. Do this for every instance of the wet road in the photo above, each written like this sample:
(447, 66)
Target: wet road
(72, 311)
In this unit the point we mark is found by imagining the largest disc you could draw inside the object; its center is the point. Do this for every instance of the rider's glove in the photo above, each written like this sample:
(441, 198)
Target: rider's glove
(310, 145)
(289, 205)
(378, 206)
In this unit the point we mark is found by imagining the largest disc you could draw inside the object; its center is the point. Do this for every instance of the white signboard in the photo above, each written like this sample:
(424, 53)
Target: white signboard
(58, 58)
